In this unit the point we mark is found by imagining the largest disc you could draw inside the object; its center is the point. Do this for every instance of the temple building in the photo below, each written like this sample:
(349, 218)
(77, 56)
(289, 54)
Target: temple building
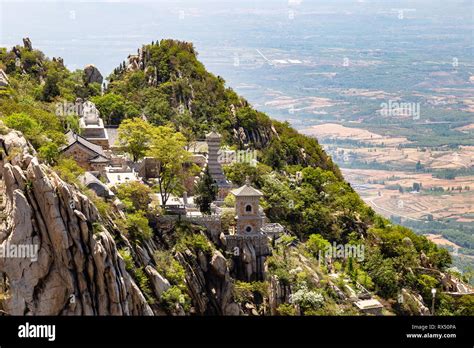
(248, 242)
(88, 155)
(92, 126)
(213, 140)
(89, 149)
(249, 217)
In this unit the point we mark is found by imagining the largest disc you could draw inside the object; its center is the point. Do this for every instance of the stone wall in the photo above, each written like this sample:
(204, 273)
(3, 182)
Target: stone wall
(211, 222)
(248, 254)
(80, 156)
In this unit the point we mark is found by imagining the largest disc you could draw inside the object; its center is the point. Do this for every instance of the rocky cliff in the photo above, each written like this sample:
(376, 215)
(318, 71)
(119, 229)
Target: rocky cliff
(73, 266)
(77, 269)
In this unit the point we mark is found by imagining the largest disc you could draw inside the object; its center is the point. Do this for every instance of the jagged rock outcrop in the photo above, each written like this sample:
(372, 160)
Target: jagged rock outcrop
(92, 75)
(209, 283)
(133, 63)
(279, 293)
(412, 304)
(3, 79)
(76, 269)
(259, 137)
(27, 44)
(159, 283)
(59, 60)
(248, 256)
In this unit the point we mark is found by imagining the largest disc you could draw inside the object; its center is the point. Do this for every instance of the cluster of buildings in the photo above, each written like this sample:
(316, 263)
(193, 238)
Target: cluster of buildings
(96, 150)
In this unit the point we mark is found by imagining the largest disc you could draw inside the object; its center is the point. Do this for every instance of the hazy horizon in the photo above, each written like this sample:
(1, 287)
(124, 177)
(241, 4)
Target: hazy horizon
(104, 33)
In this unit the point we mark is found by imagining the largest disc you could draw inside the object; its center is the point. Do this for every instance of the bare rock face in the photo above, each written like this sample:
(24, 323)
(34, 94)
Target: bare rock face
(59, 60)
(70, 269)
(3, 79)
(219, 264)
(27, 44)
(248, 265)
(133, 63)
(211, 287)
(159, 283)
(259, 137)
(92, 75)
(412, 303)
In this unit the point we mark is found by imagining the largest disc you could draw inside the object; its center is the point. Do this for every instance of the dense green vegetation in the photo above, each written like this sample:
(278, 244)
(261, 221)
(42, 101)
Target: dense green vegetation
(34, 101)
(319, 208)
(174, 86)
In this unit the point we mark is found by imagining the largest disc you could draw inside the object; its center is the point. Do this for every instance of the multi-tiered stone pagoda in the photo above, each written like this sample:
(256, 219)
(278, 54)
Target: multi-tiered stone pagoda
(213, 140)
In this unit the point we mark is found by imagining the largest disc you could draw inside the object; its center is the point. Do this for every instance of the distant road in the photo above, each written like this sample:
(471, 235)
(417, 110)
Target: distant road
(263, 56)
(371, 200)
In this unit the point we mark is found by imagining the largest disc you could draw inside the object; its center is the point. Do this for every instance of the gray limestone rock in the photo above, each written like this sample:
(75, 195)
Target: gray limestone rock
(27, 44)
(92, 75)
(65, 268)
(159, 283)
(219, 264)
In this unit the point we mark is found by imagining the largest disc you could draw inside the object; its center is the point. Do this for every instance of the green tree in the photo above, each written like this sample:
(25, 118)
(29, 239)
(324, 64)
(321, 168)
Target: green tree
(274, 155)
(439, 256)
(170, 268)
(465, 306)
(168, 149)
(386, 279)
(425, 284)
(238, 172)
(382, 273)
(134, 195)
(114, 107)
(157, 108)
(72, 123)
(51, 88)
(68, 170)
(134, 136)
(49, 152)
(286, 309)
(227, 219)
(25, 124)
(137, 226)
(174, 297)
(229, 201)
(206, 192)
(317, 243)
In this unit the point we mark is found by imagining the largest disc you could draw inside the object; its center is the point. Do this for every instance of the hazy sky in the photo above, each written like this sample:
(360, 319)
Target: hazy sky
(105, 32)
